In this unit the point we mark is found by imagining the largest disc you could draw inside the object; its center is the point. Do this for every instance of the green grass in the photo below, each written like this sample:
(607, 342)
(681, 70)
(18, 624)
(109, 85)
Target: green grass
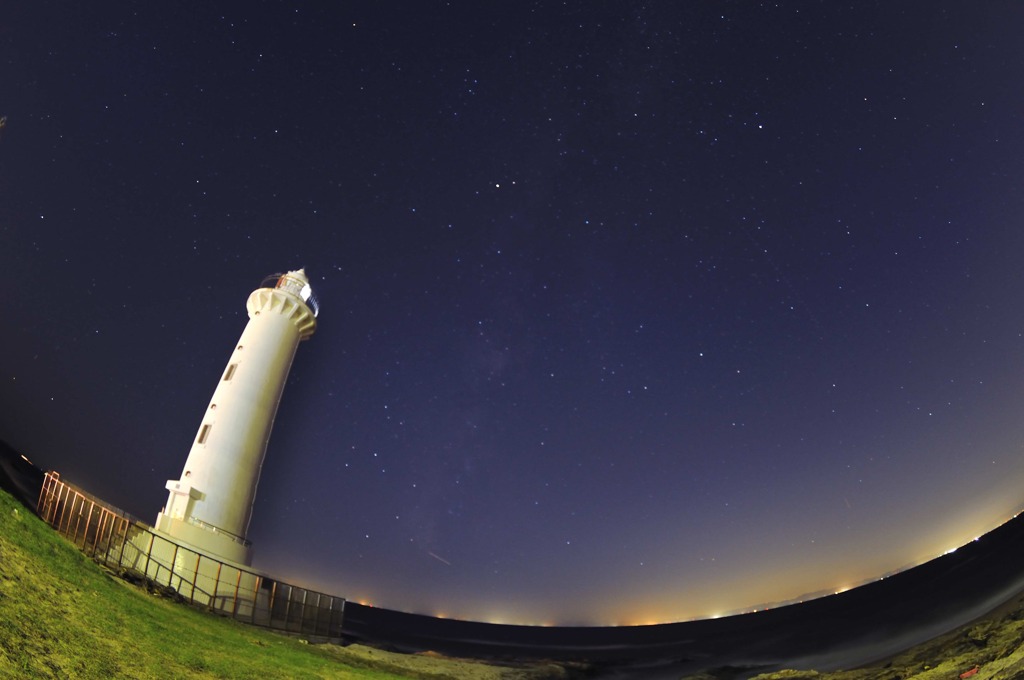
(62, 616)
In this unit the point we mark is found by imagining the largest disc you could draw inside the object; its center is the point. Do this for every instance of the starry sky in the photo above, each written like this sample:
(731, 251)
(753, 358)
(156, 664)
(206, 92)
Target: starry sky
(630, 312)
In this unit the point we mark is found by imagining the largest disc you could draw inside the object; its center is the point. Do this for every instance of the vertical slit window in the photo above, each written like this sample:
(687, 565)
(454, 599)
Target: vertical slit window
(204, 433)
(230, 372)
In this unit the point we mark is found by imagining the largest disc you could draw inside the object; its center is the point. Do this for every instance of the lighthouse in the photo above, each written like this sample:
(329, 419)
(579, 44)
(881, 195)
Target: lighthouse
(210, 505)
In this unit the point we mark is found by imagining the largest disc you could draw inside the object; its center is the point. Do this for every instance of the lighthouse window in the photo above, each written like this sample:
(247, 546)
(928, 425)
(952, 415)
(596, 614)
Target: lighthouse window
(204, 434)
(230, 372)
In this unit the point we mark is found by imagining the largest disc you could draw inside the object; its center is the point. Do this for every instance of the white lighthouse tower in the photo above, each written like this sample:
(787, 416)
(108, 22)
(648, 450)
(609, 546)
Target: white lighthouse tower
(209, 507)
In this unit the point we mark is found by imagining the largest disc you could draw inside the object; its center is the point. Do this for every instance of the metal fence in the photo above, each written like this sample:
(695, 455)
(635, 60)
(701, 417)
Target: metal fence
(115, 538)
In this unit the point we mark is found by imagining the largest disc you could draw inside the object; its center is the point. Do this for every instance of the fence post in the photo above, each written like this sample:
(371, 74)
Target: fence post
(330, 620)
(195, 580)
(74, 516)
(99, 531)
(51, 501)
(255, 598)
(234, 606)
(56, 506)
(288, 607)
(316, 617)
(109, 536)
(170, 576)
(42, 494)
(330, 615)
(88, 523)
(149, 552)
(63, 509)
(113, 532)
(77, 514)
(270, 609)
(216, 585)
(124, 542)
(43, 504)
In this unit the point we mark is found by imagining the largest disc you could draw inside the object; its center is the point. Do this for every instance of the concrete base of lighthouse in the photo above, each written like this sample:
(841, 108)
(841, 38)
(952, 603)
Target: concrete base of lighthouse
(199, 577)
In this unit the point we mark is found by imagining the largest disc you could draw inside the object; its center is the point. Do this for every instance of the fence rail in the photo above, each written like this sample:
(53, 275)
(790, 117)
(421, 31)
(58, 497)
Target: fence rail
(117, 539)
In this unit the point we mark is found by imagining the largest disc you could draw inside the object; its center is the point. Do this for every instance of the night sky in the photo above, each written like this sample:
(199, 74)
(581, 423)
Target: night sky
(629, 312)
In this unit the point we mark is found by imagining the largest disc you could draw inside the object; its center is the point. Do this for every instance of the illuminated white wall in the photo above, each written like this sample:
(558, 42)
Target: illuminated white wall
(211, 504)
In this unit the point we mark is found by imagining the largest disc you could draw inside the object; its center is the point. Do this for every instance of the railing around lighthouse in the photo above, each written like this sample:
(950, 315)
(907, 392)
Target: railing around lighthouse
(120, 541)
(217, 530)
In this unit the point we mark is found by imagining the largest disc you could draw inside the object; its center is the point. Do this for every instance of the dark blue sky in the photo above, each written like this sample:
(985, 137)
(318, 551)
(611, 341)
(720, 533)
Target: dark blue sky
(629, 312)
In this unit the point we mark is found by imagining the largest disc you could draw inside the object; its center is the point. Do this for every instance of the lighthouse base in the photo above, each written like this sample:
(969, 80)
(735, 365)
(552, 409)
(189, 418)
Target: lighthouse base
(202, 579)
(206, 539)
